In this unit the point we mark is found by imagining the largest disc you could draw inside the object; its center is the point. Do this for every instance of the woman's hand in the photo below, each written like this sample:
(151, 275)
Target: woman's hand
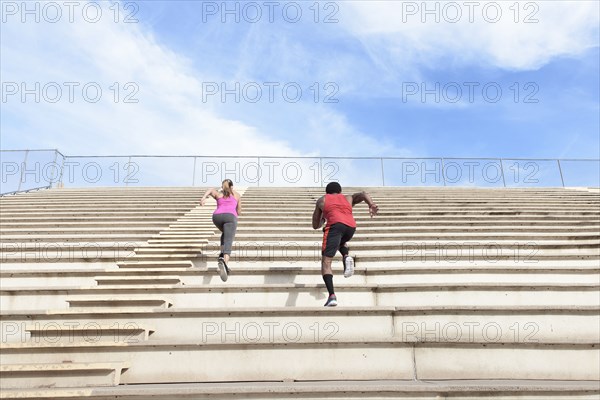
(209, 192)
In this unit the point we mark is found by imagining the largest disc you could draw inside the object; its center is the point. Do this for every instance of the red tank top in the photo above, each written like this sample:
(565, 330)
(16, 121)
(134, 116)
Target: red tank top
(337, 209)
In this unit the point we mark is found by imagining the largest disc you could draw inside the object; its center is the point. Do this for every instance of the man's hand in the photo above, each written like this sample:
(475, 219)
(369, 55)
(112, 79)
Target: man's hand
(322, 222)
(373, 209)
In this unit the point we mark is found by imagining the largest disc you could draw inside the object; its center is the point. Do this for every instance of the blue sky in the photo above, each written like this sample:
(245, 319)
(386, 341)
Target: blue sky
(370, 59)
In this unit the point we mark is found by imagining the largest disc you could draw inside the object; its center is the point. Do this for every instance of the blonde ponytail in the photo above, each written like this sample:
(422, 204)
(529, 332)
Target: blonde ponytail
(227, 187)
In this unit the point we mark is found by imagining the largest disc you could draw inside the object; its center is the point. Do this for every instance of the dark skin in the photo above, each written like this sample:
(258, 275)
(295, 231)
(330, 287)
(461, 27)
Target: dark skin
(317, 219)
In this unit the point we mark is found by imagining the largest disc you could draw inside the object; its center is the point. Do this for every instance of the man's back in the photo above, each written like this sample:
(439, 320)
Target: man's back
(337, 208)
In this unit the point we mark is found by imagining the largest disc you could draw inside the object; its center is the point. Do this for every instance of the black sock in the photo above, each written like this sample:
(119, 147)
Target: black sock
(328, 278)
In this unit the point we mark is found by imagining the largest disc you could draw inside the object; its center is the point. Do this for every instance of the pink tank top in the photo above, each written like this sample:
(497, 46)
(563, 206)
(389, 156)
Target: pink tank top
(227, 205)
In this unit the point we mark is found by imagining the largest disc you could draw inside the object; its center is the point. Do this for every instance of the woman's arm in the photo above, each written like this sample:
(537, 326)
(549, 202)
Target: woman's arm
(238, 208)
(209, 192)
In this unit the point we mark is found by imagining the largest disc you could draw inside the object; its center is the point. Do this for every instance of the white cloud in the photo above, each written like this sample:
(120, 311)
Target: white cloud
(396, 38)
(170, 117)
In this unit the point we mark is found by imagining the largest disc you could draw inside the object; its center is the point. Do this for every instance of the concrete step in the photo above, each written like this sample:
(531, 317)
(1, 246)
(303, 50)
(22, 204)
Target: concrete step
(303, 295)
(70, 200)
(60, 374)
(435, 216)
(76, 238)
(290, 254)
(185, 361)
(135, 264)
(149, 220)
(67, 255)
(466, 324)
(402, 233)
(252, 275)
(391, 198)
(335, 390)
(75, 332)
(138, 280)
(131, 302)
(13, 247)
(266, 226)
(410, 201)
(423, 209)
(104, 234)
(415, 233)
(359, 245)
(87, 224)
(84, 229)
(92, 206)
(286, 256)
(456, 253)
(434, 193)
(94, 213)
(175, 242)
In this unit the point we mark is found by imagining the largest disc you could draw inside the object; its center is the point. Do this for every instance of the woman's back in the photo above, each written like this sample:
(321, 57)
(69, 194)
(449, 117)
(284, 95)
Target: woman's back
(227, 205)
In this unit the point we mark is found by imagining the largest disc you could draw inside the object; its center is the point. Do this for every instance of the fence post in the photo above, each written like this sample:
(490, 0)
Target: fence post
(320, 172)
(561, 174)
(502, 172)
(442, 170)
(127, 176)
(382, 173)
(62, 169)
(258, 173)
(54, 168)
(194, 173)
(23, 168)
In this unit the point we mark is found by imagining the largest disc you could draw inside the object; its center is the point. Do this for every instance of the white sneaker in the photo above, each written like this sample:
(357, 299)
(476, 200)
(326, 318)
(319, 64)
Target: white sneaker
(222, 267)
(348, 266)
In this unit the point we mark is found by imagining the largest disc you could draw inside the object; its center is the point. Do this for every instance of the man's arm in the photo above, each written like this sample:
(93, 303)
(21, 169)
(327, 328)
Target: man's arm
(317, 218)
(364, 196)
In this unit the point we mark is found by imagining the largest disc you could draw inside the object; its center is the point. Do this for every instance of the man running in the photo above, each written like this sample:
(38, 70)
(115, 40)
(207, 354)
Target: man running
(336, 209)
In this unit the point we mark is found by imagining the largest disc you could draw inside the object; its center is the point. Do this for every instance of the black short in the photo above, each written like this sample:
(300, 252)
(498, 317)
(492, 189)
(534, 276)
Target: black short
(334, 237)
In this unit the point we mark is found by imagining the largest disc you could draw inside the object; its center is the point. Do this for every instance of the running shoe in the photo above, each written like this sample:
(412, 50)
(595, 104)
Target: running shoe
(331, 301)
(348, 266)
(223, 269)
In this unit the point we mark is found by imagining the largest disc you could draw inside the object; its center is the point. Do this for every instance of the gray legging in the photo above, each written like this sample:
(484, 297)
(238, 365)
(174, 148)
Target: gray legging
(227, 224)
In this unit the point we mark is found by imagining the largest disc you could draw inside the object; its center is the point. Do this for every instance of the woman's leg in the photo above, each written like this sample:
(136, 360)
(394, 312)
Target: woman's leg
(222, 241)
(218, 221)
(229, 229)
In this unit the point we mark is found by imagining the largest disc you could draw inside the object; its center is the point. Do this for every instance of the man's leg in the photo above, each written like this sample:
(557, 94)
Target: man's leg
(344, 249)
(327, 273)
(331, 242)
(347, 261)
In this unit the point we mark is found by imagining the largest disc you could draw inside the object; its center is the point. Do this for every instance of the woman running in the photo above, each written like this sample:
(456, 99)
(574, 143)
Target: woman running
(225, 217)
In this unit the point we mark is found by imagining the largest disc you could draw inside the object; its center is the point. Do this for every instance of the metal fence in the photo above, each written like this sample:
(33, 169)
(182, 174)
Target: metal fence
(25, 170)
